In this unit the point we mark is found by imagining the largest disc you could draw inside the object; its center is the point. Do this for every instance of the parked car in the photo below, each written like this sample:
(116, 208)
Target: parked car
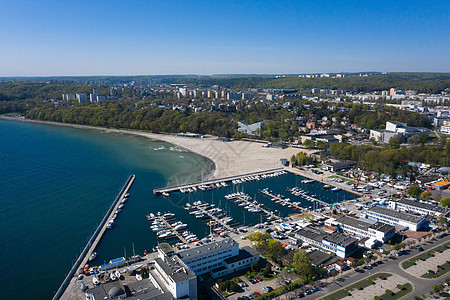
(308, 292)
(315, 289)
(369, 267)
(421, 249)
(301, 295)
(268, 289)
(258, 278)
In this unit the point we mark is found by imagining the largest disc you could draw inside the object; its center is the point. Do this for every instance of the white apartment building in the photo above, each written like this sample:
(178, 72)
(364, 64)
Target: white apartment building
(219, 258)
(365, 229)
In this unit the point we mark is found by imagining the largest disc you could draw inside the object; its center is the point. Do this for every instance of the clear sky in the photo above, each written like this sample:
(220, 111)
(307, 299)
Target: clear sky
(42, 38)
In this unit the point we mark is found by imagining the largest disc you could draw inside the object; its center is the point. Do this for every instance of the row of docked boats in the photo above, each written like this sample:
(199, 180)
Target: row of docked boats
(110, 223)
(258, 177)
(205, 211)
(203, 187)
(245, 201)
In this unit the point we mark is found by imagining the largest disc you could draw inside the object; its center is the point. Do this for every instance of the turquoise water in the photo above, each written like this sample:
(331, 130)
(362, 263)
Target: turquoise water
(56, 183)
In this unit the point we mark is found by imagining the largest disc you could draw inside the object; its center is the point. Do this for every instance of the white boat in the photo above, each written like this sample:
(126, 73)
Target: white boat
(165, 194)
(138, 277)
(112, 276)
(117, 273)
(95, 280)
(121, 206)
(110, 224)
(127, 195)
(93, 256)
(180, 226)
(335, 189)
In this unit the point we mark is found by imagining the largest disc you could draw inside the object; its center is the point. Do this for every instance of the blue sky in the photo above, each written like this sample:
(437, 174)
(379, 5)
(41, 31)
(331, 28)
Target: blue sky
(40, 38)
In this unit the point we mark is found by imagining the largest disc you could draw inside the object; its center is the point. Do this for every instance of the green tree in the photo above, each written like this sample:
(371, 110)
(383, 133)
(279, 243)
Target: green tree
(414, 191)
(395, 141)
(425, 195)
(445, 201)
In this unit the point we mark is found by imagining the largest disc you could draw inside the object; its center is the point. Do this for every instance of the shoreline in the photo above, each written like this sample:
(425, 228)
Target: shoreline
(228, 158)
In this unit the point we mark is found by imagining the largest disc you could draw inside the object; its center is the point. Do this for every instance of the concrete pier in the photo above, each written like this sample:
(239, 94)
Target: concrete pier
(71, 278)
(209, 182)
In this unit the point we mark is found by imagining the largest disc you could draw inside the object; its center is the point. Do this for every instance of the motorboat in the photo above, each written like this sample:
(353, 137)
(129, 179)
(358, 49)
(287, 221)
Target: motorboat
(95, 280)
(93, 256)
(110, 224)
(138, 277)
(112, 276)
(117, 273)
(165, 194)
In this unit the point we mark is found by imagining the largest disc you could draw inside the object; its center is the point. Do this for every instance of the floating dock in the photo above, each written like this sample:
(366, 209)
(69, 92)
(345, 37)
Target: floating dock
(294, 204)
(213, 182)
(94, 240)
(245, 198)
(169, 227)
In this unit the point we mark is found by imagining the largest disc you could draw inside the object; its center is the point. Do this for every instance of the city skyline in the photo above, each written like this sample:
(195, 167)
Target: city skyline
(51, 38)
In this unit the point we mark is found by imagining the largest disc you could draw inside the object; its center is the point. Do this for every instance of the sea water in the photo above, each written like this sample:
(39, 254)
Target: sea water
(56, 183)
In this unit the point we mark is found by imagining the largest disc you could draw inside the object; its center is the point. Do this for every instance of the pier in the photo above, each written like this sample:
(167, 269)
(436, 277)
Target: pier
(244, 198)
(309, 198)
(209, 182)
(169, 227)
(213, 217)
(93, 241)
(273, 196)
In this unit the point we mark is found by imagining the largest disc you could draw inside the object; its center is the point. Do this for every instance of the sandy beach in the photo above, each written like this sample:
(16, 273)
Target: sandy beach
(230, 158)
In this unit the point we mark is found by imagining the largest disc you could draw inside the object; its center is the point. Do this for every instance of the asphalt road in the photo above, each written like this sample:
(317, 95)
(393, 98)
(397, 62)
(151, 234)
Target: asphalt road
(421, 286)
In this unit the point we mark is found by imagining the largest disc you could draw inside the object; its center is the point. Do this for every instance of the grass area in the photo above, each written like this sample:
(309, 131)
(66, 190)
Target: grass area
(407, 288)
(358, 285)
(424, 256)
(445, 268)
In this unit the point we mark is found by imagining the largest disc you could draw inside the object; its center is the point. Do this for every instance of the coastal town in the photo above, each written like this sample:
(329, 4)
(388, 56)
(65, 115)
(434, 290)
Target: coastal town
(347, 197)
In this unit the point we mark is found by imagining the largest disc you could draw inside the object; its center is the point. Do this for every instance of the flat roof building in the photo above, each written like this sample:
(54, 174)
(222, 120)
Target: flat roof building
(219, 258)
(395, 218)
(366, 229)
(340, 244)
(407, 205)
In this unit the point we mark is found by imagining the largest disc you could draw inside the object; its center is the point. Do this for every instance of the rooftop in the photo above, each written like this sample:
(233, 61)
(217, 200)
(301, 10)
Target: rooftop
(207, 249)
(395, 214)
(244, 253)
(383, 227)
(422, 205)
(312, 233)
(175, 268)
(340, 239)
(356, 223)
